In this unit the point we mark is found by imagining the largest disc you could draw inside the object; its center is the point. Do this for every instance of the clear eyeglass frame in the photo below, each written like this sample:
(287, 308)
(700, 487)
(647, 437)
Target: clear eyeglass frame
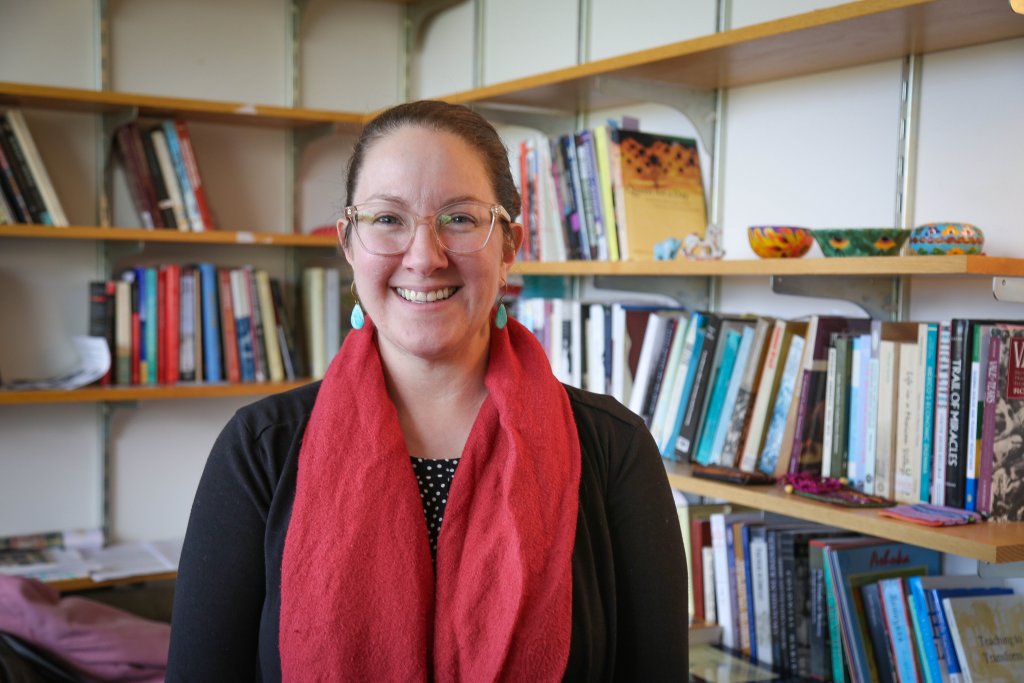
(437, 221)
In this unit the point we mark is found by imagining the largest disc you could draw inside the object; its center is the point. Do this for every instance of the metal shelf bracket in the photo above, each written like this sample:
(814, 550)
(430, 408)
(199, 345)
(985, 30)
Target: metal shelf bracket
(1008, 289)
(693, 293)
(879, 297)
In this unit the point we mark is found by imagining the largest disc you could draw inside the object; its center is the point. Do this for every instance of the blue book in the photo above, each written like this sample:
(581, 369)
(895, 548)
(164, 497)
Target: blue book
(195, 219)
(777, 425)
(928, 417)
(936, 596)
(868, 561)
(691, 372)
(211, 322)
(144, 322)
(900, 633)
(152, 326)
(721, 386)
(859, 376)
(739, 365)
(874, 615)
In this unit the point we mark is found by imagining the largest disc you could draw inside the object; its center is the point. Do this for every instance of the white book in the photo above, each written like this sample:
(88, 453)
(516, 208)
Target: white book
(907, 471)
(889, 380)
(938, 491)
(669, 380)
(735, 379)
(186, 328)
(36, 167)
(771, 370)
(123, 330)
(313, 310)
(268, 318)
(830, 413)
(666, 423)
(725, 581)
(707, 557)
(332, 314)
(762, 600)
(595, 349)
(620, 354)
(654, 336)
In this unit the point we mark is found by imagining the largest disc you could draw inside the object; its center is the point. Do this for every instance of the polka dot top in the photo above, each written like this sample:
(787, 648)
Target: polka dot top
(434, 478)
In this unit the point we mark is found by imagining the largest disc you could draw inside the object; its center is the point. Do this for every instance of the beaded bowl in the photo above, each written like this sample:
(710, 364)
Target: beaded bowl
(939, 239)
(779, 241)
(860, 241)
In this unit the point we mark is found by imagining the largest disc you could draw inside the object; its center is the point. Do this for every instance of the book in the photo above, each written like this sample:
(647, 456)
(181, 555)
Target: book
(677, 391)
(169, 178)
(268, 320)
(836, 457)
(653, 340)
(956, 445)
(15, 202)
(1007, 426)
(242, 313)
(937, 596)
(229, 334)
(739, 421)
(25, 189)
(693, 415)
(860, 370)
(663, 191)
(313, 280)
(187, 326)
(769, 461)
(855, 564)
(988, 635)
(908, 462)
(821, 607)
(602, 154)
(722, 543)
(210, 327)
(874, 619)
(54, 211)
(940, 430)
(705, 453)
(195, 180)
(890, 383)
(928, 348)
(287, 340)
(161, 194)
(728, 408)
(899, 632)
(805, 433)
(760, 601)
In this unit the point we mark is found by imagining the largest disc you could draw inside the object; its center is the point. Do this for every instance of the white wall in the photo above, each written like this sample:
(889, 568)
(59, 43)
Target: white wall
(51, 456)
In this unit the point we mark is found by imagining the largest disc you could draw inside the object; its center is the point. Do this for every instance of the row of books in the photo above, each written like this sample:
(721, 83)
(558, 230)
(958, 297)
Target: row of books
(909, 411)
(26, 193)
(817, 602)
(163, 176)
(608, 193)
(199, 323)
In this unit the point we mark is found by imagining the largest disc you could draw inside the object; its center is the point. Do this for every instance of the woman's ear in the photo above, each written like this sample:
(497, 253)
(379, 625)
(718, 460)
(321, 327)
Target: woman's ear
(513, 240)
(344, 245)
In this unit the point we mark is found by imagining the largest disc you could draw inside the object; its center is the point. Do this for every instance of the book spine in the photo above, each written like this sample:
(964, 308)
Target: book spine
(926, 638)
(188, 197)
(289, 346)
(705, 449)
(830, 412)
(956, 446)
(210, 322)
(195, 180)
(123, 332)
(762, 641)
(187, 326)
(840, 438)
(229, 334)
(697, 529)
(160, 195)
(834, 625)
(928, 411)
(880, 657)
(988, 422)
(269, 322)
(689, 431)
(12, 195)
(939, 451)
(658, 373)
(152, 326)
(259, 346)
(54, 212)
(243, 324)
(174, 204)
(900, 638)
(172, 336)
(133, 174)
(22, 172)
(871, 414)
(775, 597)
(971, 432)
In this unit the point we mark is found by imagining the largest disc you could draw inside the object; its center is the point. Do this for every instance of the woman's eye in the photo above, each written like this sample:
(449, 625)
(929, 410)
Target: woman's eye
(387, 220)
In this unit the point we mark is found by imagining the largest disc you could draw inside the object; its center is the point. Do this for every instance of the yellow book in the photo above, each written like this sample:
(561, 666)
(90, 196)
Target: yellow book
(604, 184)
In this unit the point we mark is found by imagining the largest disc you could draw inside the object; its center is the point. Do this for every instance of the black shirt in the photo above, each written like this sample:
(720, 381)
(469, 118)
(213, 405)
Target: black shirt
(629, 603)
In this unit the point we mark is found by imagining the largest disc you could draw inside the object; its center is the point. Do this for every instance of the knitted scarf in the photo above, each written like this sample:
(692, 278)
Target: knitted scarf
(359, 596)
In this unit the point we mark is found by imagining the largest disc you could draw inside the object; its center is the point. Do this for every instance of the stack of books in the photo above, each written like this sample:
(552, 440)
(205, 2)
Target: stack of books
(26, 193)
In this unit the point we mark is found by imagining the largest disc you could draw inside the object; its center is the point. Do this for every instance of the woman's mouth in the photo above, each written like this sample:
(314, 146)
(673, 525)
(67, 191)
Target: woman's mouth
(422, 297)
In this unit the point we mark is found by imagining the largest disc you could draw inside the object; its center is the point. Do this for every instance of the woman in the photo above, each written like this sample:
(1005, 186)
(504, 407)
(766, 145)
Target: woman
(315, 550)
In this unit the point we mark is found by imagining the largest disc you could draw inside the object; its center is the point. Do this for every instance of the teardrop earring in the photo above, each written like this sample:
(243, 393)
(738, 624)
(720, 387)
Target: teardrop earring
(501, 316)
(357, 319)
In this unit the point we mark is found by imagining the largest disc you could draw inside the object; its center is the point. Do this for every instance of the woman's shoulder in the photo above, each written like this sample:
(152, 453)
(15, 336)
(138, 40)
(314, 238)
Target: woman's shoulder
(286, 409)
(601, 409)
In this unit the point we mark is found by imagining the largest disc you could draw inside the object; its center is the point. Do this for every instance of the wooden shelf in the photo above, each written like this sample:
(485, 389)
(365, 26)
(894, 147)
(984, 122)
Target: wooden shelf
(851, 34)
(239, 237)
(82, 584)
(988, 541)
(146, 393)
(236, 113)
(867, 266)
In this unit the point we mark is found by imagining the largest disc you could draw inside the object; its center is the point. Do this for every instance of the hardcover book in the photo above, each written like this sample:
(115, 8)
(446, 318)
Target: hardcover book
(1007, 418)
(988, 634)
(663, 192)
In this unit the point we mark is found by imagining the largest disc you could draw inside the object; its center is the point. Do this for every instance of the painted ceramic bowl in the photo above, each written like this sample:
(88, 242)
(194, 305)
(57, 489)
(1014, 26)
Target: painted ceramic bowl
(779, 241)
(860, 241)
(938, 239)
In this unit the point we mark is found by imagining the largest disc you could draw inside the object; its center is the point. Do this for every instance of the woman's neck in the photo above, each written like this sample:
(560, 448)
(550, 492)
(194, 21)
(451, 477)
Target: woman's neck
(437, 403)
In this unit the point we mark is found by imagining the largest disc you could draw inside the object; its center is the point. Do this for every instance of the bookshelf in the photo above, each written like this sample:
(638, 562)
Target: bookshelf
(120, 394)
(85, 584)
(850, 34)
(987, 541)
(235, 237)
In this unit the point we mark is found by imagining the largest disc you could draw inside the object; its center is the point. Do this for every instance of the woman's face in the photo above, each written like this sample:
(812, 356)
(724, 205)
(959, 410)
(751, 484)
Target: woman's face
(424, 170)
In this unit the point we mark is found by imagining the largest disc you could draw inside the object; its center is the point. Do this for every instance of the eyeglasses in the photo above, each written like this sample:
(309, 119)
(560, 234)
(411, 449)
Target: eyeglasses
(387, 229)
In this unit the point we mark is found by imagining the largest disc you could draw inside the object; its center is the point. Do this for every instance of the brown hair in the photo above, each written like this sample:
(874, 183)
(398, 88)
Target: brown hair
(456, 119)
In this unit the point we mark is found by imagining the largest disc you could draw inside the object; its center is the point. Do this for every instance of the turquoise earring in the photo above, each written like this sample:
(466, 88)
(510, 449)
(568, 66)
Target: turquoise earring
(357, 319)
(501, 317)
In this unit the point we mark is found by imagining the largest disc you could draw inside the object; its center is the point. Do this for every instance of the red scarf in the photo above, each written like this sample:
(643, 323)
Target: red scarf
(359, 599)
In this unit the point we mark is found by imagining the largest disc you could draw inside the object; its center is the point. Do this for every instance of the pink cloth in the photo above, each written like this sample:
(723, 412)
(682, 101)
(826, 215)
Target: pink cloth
(96, 640)
(358, 587)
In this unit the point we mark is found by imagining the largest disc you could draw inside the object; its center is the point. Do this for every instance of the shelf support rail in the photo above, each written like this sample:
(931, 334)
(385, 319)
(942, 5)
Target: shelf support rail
(879, 297)
(1008, 289)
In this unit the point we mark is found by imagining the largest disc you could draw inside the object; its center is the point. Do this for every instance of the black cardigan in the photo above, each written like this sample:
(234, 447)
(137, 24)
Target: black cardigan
(629, 602)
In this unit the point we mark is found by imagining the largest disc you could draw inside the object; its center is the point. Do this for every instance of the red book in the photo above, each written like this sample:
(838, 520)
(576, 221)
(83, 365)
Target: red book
(171, 323)
(188, 155)
(229, 338)
(161, 326)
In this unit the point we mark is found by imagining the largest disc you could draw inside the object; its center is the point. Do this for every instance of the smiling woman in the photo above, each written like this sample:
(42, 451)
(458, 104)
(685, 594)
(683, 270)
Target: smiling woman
(439, 507)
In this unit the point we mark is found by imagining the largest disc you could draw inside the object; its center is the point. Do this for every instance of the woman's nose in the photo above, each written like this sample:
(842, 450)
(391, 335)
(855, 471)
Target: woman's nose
(425, 253)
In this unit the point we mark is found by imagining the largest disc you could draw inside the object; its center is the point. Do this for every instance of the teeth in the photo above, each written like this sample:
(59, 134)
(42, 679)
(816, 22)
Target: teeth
(425, 297)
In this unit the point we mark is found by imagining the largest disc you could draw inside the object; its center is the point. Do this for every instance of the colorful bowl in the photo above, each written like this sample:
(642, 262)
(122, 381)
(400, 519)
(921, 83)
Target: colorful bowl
(779, 241)
(860, 241)
(939, 239)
